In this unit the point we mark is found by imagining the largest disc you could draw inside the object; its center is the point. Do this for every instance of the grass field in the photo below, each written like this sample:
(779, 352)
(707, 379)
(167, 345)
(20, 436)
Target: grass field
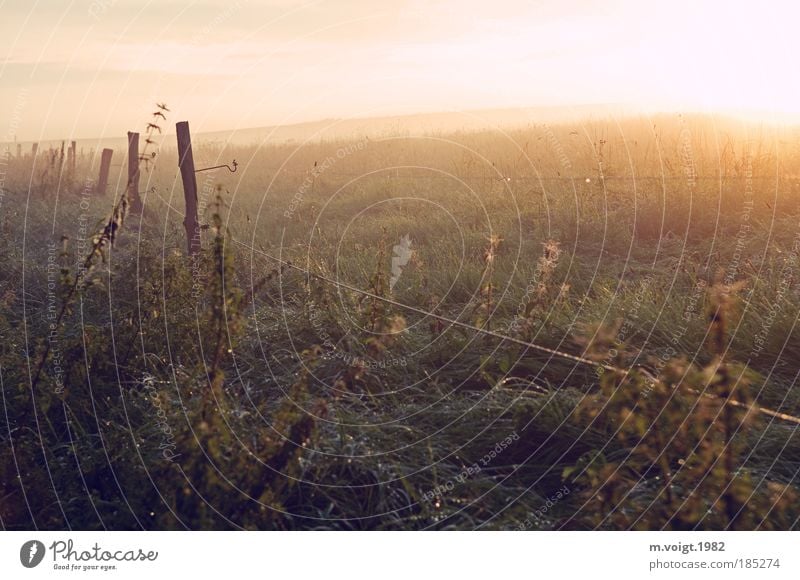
(237, 391)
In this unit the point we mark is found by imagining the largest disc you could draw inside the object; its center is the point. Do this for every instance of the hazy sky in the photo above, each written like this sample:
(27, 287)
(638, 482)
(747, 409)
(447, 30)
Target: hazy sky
(91, 69)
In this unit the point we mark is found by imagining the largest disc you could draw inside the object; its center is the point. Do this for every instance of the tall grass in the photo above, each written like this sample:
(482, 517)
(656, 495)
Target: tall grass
(239, 392)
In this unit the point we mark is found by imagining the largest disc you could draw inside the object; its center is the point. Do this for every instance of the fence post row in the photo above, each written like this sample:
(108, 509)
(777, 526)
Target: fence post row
(105, 165)
(186, 164)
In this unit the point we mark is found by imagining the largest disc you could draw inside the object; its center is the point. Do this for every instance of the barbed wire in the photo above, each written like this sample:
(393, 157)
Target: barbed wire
(528, 345)
(487, 332)
(580, 178)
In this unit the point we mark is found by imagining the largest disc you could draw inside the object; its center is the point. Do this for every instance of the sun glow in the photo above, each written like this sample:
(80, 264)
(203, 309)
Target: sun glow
(253, 64)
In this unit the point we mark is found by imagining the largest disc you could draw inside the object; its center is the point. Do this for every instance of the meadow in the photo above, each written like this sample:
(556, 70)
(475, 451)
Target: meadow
(356, 345)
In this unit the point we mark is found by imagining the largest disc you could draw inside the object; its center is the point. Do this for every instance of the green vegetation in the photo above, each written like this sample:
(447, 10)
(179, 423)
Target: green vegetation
(239, 392)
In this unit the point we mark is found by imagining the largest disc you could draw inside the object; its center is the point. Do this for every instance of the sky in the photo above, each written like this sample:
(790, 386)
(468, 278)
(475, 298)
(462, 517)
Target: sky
(82, 69)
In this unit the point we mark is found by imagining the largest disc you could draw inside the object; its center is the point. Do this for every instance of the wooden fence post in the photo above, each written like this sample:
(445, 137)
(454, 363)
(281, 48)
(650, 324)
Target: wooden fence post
(34, 149)
(19, 151)
(186, 163)
(133, 172)
(71, 157)
(105, 164)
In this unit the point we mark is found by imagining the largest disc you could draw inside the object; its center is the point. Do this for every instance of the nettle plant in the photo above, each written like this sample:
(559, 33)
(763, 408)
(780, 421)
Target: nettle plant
(540, 293)
(218, 448)
(678, 439)
(486, 305)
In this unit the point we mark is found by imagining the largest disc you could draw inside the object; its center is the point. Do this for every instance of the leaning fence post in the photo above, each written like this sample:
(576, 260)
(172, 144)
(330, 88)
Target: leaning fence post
(105, 164)
(186, 163)
(133, 172)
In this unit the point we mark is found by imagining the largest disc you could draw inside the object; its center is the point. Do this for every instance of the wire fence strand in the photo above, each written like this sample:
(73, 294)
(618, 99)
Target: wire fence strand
(502, 337)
